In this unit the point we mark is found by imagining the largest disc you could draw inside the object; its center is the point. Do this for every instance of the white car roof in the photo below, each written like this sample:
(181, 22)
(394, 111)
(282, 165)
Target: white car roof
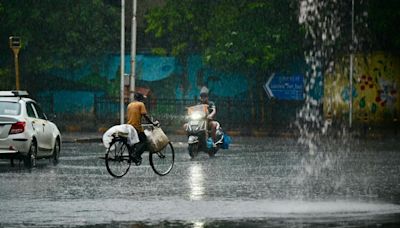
(14, 96)
(10, 99)
(15, 99)
(14, 93)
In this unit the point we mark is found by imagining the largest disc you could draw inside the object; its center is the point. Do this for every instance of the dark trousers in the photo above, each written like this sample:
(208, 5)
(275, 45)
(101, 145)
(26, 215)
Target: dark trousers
(140, 147)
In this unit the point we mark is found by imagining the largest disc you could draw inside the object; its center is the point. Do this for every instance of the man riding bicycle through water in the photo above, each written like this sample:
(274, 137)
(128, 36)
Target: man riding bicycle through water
(137, 110)
(212, 110)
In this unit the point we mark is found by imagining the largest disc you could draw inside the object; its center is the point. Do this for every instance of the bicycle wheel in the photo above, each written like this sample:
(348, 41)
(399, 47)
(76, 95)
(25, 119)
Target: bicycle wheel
(117, 159)
(162, 162)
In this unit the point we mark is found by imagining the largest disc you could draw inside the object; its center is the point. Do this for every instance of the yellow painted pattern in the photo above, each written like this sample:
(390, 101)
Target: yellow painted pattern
(376, 81)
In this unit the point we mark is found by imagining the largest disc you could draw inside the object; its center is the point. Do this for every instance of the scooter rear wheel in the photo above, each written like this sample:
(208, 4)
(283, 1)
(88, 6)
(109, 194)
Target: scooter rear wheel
(212, 151)
(193, 149)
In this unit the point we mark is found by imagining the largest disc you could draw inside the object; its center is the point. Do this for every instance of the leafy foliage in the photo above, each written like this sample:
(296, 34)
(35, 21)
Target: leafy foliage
(58, 34)
(383, 19)
(179, 26)
(6, 81)
(231, 34)
(254, 37)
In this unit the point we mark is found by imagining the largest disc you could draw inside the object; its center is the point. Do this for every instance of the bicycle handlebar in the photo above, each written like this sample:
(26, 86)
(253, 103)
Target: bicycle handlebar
(148, 125)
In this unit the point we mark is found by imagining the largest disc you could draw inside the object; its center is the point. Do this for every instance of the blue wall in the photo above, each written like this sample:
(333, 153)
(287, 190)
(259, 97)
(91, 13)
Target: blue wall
(161, 74)
(65, 101)
(152, 69)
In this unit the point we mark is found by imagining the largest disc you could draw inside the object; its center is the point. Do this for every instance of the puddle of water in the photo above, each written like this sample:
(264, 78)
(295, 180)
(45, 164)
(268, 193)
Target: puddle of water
(84, 212)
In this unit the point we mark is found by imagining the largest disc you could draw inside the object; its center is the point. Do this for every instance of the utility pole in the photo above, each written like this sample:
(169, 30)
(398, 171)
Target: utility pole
(122, 84)
(351, 67)
(133, 52)
(15, 45)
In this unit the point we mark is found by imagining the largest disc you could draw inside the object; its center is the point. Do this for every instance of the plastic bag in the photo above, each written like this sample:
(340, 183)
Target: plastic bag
(226, 142)
(156, 139)
(123, 130)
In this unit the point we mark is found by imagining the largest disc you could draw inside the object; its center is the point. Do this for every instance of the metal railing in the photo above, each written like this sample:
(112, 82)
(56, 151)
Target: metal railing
(233, 114)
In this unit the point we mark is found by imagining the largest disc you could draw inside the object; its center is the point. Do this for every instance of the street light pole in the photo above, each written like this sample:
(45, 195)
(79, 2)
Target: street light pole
(15, 45)
(122, 84)
(133, 52)
(17, 85)
(351, 67)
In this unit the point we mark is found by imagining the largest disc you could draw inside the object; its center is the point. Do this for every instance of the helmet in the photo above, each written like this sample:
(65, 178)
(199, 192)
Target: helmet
(139, 96)
(204, 92)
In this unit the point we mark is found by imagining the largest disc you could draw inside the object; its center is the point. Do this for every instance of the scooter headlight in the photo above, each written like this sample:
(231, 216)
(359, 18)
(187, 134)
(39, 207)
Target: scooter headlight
(196, 116)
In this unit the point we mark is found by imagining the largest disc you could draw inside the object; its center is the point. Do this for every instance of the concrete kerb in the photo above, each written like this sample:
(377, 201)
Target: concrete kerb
(96, 137)
(81, 137)
(180, 135)
(176, 136)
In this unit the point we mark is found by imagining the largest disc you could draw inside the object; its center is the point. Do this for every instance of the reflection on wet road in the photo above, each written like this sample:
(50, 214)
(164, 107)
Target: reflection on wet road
(196, 179)
(257, 182)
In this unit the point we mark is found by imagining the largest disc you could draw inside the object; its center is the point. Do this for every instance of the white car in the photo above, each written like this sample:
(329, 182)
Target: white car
(25, 132)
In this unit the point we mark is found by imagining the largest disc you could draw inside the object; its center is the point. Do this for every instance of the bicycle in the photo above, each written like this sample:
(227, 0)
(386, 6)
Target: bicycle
(118, 158)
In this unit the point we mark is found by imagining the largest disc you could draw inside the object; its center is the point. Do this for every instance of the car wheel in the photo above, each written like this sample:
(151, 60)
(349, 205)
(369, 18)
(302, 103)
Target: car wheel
(30, 159)
(56, 152)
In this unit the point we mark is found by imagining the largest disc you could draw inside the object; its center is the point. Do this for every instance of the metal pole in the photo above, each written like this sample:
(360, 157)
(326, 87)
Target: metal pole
(15, 45)
(122, 84)
(133, 52)
(17, 87)
(351, 66)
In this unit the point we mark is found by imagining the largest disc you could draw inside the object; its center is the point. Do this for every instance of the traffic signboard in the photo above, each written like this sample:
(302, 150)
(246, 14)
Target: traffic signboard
(285, 87)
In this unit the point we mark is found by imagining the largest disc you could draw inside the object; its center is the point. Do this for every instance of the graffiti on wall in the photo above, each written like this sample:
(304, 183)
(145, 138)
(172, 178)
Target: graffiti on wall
(166, 74)
(376, 79)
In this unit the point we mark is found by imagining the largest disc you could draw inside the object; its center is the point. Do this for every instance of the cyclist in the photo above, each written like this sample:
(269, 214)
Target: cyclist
(137, 110)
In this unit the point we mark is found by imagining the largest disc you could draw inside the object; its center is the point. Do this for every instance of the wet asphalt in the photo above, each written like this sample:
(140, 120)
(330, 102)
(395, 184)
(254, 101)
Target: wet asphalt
(257, 182)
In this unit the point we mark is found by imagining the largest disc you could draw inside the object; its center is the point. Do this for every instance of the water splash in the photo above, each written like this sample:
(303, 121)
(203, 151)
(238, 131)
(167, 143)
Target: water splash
(321, 20)
(327, 36)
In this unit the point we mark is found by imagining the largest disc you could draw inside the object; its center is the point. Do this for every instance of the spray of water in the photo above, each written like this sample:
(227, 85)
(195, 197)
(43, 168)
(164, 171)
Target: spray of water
(321, 20)
(326, 25)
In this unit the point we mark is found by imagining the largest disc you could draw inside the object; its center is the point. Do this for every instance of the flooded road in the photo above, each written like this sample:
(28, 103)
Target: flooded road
(257, 182)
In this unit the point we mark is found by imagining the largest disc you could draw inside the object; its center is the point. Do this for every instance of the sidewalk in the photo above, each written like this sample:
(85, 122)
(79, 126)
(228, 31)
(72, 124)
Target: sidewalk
(72, 137)
(180, 136)
(175, 137)
(96, 137)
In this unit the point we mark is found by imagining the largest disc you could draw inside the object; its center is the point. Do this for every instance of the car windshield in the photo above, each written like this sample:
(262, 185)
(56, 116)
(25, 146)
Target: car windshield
(9, 108)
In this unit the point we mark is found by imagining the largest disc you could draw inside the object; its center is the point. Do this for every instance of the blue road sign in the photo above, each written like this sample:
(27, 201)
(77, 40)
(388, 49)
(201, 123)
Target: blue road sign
(284, 87)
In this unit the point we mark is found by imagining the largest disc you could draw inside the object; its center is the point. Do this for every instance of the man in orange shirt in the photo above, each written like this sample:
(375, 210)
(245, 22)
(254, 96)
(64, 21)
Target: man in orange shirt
(137, 110)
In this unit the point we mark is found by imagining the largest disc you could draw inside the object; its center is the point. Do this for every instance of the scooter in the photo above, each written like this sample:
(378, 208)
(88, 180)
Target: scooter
(198, 133)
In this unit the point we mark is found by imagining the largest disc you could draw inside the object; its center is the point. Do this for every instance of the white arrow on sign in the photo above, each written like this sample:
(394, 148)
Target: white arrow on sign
(266, 87)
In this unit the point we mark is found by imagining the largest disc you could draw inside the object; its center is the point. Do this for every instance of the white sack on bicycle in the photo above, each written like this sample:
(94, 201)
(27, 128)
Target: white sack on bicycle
(123, 130)
(156, 138)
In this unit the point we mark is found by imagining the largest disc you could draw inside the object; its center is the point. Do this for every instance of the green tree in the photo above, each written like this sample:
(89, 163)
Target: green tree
(179, 28)
(252, 37)
(383, 19)
(58, 34)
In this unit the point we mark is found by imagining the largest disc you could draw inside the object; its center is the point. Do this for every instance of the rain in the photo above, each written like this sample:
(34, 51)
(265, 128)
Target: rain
(305, 96)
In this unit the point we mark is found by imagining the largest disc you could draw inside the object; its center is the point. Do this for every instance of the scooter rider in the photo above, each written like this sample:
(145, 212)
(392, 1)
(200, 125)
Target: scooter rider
(212, 110)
